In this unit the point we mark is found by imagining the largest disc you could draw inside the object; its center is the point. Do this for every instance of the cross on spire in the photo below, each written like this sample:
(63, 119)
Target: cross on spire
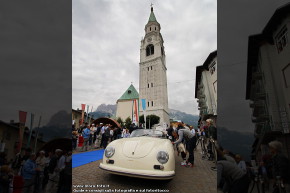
(151, 6)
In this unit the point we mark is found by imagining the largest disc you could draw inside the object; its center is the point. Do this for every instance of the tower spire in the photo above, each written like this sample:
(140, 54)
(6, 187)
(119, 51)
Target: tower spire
(152, 16)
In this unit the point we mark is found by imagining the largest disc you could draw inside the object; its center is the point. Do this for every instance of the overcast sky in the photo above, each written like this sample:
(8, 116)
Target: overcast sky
(35, 57)
(106, 37)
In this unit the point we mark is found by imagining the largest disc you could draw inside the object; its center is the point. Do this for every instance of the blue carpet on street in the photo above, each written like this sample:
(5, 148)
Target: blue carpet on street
(80, 159)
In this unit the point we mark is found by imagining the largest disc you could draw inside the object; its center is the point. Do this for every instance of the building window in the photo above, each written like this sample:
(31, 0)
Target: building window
(148, 68)
(155, 28)
(281, 39)
(149, 50)
(286, 75)
(151, 67)
(151, 84)
(152, 103)
(212, 67)
(215, 86)
(148, 103)
(148, 85)
(150, 28)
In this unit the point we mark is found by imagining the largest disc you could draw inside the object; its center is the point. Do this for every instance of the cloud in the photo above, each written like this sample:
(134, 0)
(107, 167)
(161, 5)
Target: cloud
(35, 53)
(106, 47)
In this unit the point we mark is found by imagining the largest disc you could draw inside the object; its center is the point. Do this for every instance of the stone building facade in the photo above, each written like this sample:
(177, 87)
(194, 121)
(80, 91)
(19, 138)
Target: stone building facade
(206, 88)
(268, 82)
(152, 77)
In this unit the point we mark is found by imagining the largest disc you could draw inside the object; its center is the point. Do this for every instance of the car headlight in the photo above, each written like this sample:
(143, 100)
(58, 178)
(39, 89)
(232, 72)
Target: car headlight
(162, 157)
(109, 152)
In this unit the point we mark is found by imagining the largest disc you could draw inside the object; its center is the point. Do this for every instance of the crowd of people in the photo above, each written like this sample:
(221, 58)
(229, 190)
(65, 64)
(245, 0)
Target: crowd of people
(185, 138)
(234, 175)
(44, 172)
(91, 136)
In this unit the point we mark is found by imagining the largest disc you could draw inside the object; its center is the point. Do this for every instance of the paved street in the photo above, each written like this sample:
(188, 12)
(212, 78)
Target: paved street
(200, 179)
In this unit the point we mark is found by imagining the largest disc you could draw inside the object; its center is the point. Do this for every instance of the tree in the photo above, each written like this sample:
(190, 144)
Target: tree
(150, 120)
(128, 122)
(120, 121)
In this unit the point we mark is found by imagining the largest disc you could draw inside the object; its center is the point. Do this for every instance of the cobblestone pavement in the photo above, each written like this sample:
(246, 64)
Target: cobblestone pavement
(199, 179)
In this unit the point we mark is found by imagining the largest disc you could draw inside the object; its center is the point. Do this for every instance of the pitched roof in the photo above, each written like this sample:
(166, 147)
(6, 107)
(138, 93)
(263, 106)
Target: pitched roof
(131, 93)
(152, 17)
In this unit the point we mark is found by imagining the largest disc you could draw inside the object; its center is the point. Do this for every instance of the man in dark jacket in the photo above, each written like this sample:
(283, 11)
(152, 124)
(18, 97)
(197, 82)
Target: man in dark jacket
(169, 132)
(281, 164)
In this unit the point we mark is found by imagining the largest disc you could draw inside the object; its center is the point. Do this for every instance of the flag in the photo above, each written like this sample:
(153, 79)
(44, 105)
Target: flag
(135, 112)
(143, 104)
(83, 113)
(30, 133)
(22, 121)
(22, 117)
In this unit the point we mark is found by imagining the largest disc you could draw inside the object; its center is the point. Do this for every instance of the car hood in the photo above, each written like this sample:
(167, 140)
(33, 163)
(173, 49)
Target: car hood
(139, 147)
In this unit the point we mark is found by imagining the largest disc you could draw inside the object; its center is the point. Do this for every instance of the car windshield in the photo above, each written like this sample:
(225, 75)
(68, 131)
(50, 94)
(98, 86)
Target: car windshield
(147, 132)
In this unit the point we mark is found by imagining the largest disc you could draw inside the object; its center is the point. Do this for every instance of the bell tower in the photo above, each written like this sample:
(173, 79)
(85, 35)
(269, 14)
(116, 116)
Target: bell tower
(152, 74)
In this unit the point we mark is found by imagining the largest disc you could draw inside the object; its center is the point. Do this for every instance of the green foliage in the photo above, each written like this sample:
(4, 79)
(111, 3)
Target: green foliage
(150, 119)
(128, 122)
(120, 121)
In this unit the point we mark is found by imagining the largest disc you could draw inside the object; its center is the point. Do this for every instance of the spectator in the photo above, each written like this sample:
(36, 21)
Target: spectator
(98, 135)
(106, 136)
(65, 182)
(74, 139)
(241, 163)
(212, 133)
(46, 169)
(40, 163)
(189, 140)
(281, 164)
(95, 128)
(53, 171)
(235, 178)
(169, 132)
(192, 130)
(104, 127)
(86, 136)
(126, 133)
(118, 132)
(5, 178)
(28, 173)
(227, 156)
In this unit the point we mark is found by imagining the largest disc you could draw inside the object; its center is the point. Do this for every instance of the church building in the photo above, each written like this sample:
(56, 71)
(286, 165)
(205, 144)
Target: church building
(127, 105)
(152, 77)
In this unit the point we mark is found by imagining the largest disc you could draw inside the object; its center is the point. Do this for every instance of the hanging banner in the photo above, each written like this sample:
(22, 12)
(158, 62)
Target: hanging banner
(22, 117)
(135, 112)
(31, 127)
(83, 113)
(22, 121)
(143, 104)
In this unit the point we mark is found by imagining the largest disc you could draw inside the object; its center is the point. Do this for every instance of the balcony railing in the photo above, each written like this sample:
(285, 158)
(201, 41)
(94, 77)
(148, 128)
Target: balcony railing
(260, 118)
(257, 75)
(260, 95)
